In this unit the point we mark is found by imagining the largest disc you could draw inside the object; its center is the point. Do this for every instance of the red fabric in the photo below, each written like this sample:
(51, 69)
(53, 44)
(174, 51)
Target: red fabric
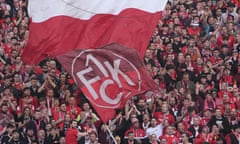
(61, 34)
(71, 136)
(108, 76)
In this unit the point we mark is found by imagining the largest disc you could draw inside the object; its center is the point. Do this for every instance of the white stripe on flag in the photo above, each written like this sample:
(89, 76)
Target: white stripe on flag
(42, 10)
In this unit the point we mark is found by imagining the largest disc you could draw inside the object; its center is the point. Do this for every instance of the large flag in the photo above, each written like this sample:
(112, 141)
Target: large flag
(108, 76)
(58, 26)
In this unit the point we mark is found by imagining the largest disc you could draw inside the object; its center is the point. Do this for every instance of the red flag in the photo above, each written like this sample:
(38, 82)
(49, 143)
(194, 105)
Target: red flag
(108, 76)
(59, 26)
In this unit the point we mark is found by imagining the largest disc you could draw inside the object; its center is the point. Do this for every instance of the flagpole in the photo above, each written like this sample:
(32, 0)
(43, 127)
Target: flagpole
(111, 135)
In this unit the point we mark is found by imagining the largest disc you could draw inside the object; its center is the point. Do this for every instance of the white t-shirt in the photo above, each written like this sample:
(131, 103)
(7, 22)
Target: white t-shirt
(158, 130)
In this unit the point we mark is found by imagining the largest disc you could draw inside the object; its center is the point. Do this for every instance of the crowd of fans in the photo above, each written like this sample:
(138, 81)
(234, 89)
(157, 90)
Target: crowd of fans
(193, 55)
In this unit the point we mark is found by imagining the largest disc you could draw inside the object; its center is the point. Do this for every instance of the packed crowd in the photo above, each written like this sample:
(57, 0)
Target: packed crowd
(193, 55)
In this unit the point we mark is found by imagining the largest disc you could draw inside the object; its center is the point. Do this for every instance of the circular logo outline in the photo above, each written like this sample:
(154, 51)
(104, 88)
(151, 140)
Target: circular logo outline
(117, 55)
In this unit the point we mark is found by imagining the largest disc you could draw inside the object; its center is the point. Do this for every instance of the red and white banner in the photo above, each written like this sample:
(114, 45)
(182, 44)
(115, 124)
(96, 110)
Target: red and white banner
(108, 76)
(58, 26)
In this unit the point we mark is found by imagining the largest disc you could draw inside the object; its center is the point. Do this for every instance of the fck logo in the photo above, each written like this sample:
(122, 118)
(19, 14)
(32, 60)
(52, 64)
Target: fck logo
(103, 73)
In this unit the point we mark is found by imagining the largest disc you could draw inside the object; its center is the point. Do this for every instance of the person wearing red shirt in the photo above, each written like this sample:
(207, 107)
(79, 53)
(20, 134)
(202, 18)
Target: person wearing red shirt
(73, 135)
(56, 107)
(138, 132)
(73, 109)
(202, 137)
(164, 116)
(226, 78)
(27, 94)
(216, 59)
(18, 84)
(225, 38)
(170, 135)
(27, 101)
(59, 116)
(194, 29)
(198, 66)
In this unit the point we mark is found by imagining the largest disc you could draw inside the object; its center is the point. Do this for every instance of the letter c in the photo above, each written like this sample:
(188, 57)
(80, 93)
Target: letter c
(105, 97)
